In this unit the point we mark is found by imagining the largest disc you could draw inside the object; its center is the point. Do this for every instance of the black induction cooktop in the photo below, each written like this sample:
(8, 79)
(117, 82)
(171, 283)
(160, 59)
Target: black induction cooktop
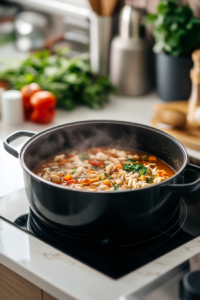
(114, 258)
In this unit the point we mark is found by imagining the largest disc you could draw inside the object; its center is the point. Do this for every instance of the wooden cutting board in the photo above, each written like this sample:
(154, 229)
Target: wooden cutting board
(189, 136)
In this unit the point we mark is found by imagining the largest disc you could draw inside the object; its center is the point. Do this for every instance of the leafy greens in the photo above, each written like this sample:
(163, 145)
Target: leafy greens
(71, 80)
(175, 29)
(136, 168)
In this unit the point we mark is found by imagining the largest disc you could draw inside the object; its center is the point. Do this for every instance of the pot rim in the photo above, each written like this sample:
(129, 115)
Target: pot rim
(53, 128)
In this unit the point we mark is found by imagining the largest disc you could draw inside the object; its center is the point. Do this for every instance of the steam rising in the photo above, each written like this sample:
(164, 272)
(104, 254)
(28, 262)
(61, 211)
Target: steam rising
(81, 136)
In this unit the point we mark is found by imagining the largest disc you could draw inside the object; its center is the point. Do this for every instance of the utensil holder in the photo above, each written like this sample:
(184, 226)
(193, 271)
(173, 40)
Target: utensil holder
(102, 31)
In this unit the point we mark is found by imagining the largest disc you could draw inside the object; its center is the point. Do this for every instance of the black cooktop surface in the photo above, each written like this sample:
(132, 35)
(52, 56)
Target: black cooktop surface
(116, 258)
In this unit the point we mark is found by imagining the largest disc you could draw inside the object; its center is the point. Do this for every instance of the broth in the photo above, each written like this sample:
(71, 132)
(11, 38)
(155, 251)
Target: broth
(104, 169)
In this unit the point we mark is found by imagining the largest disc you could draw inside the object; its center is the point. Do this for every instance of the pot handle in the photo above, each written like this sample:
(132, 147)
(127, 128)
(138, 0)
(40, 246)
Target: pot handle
(13, 137)
(188, 187)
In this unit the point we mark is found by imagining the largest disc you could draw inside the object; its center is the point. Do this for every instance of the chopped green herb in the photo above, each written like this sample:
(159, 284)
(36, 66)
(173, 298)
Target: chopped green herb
(73, 171)
(94, 168)
(51, 169)
(102, 178)
(83, 157)
(116, 186)
(105, 166)
(145, 158)
(144, 171)
(110, 177)
(131, 160)
(149, 179)
(105, 174)
(136, 168)
(132, 168)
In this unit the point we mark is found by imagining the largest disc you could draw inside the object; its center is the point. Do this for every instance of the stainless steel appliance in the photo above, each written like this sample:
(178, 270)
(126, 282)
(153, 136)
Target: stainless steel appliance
(129, 57)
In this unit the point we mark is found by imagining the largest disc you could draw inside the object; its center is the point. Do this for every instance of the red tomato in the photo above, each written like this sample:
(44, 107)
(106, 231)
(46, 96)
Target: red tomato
(43, 100)
(42, 116)
(27, 91)
(4, 84)
(43, 104)
(96, 163)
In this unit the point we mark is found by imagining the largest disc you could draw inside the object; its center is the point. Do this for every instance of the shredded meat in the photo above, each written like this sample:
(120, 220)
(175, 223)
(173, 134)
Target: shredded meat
(110, 168)
(101, 156)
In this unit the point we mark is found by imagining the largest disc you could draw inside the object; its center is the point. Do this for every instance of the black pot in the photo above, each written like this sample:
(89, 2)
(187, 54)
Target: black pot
(173, 77)
(102, 214)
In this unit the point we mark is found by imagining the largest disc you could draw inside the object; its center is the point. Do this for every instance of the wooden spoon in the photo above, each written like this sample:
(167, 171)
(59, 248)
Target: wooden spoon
(95, 4)
(108, 7)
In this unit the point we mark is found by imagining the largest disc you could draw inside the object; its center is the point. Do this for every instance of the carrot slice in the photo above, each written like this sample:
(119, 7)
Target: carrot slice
(94, 180)
(72, 181)
(62, 162)
(165, 174)
(119, 166)
(107, 182)
(160, 171)
(67, 177)
(143, 177)
(84, 180)
(152, 158)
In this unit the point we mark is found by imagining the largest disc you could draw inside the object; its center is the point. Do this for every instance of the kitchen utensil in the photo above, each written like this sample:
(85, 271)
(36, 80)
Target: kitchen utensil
(95, 4)
(12, 107)
(129, 58)
(108, 7)
(170, 116)
(102, 31)
(30, 30)
(102, 214)
(189, 136)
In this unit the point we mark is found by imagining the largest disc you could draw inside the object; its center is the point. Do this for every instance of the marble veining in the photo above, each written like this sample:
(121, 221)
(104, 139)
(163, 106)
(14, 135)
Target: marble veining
(62, 275)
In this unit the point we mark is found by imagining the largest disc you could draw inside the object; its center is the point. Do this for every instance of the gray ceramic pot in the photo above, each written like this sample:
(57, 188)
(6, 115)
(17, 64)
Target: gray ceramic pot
(173, 77)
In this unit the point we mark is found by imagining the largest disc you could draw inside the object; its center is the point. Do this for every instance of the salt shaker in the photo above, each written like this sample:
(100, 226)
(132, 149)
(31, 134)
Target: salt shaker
(12, 107)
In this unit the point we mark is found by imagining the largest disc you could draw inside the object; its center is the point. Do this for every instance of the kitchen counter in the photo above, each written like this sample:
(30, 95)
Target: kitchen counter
(51, 270)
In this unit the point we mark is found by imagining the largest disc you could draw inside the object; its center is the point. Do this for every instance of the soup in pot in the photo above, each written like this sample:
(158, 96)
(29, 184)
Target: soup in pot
(104, 169)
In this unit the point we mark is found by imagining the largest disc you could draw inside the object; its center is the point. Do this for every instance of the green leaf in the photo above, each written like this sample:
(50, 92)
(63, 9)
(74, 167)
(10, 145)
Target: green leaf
(176, 30)
(116, 186)
(83, 157)
(131, 160)
(94, 168)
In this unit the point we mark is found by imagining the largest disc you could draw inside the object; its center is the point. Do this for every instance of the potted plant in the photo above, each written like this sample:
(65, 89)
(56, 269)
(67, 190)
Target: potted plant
(177, 35)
